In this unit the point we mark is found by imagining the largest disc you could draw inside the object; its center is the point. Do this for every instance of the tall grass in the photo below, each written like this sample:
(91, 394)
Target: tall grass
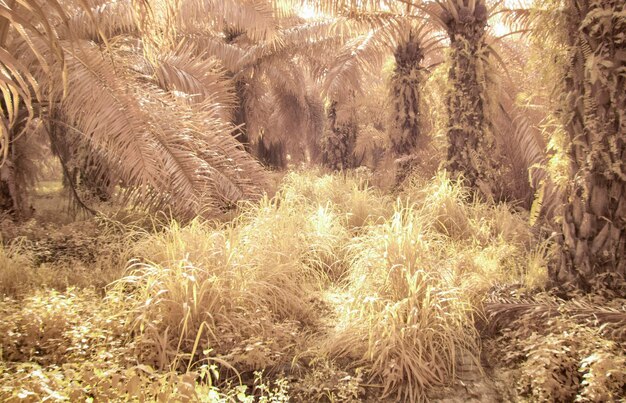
(16, 270)
(235, 292)
(329, 268)
(416, 283)
(409, 321)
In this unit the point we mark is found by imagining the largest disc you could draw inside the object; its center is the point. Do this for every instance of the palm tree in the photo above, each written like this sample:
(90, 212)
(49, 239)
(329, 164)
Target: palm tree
(585, 39)
(405, 93)
(277, 82)
(381, 34)
(470, 143)
(121, 103)
(339, 140)
(594, 117)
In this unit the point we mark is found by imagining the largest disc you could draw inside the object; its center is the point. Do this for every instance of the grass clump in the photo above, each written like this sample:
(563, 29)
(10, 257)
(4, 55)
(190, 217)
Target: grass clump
(349, 194)
(207, 302)
(236, 294)
(487, 244)
(408, 322)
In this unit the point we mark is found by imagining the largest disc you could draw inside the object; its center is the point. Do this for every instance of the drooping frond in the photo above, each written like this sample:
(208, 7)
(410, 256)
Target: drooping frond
(111, 17)
(205, 166)
(508, 312)
(230, 55)
(298, 116)
(106, 114)
(162, 151)
(256, 17)
(309, 39)
(197, 79)
(28, 21)
(364, 54)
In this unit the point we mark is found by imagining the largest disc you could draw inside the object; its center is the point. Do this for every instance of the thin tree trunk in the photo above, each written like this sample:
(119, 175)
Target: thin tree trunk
(239, 115)
(594, 216)
(271, 154)
(340, 139)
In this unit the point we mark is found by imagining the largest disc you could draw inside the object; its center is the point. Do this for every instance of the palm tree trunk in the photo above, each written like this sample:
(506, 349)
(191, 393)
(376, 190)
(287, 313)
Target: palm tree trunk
(6, 199)
(405, 96)
(340, 139)
(470, 143)
(271, 154)
(594, 217)
(239, 115)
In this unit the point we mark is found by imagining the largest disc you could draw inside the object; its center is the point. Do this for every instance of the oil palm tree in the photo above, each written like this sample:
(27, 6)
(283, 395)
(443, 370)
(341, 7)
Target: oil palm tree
(405, 93)
(339, 140)
(594, 117)
(278, 80)
(585, 39)
(159, 126)
(415, 42)
(470, 141)
(396, 31)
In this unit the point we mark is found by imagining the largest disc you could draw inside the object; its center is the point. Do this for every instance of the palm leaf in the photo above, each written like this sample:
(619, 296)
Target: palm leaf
(200, 79)
(102, 19)
(359, 56)
(256, 17)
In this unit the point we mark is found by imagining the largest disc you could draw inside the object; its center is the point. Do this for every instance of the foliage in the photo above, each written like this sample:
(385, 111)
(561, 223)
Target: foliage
(317, 284)
(159, 114)
(328, 288)
(326, 382)
(53, 327)
(562, 351)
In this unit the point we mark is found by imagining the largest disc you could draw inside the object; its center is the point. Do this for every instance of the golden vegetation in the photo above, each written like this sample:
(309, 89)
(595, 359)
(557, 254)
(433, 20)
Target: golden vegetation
(330, 283)
(312, 201)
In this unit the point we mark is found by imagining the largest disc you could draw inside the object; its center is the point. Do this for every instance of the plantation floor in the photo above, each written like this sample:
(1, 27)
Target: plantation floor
(330, 291)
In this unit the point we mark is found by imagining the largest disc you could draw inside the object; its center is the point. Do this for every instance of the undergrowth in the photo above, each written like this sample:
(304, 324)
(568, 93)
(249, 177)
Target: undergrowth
(328, 291)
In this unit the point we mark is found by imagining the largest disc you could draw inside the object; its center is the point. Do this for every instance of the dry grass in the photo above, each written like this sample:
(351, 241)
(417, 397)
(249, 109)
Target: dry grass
(214, 302)
(408, 321)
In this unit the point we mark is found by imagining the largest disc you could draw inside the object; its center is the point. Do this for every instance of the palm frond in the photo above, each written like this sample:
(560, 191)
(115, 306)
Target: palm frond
(104, 111)
(199, 79)
(509, 312)
(347, 7)
(230, 55)
(103, 19)
(297, 118)
(364, 54)
(257, 17)
(26, 20)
